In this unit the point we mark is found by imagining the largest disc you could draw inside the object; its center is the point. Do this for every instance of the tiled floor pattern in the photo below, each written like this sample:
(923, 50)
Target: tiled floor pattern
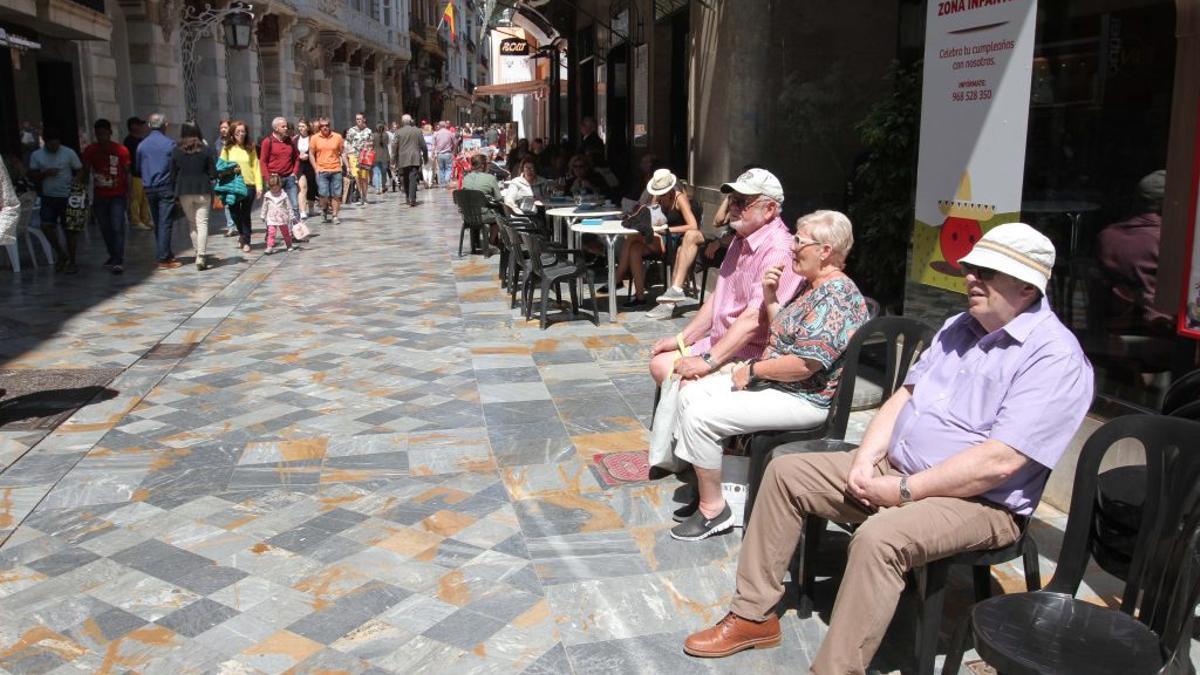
(367, 463)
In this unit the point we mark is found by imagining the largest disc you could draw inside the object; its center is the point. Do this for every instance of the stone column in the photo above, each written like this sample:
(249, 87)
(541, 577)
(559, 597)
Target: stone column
(355, 89)
(275, 54)
(332, 83)
(369, 87)
(306, 62)
(155, 61)
(212, 85)
(339, 71)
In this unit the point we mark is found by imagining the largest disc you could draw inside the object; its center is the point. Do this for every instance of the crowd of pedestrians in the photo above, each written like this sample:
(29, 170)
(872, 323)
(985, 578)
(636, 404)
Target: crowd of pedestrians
(156, 179)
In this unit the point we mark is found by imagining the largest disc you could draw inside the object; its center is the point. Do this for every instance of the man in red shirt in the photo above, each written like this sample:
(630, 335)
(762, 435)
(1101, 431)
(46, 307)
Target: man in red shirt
(107, 165)
(278, 155)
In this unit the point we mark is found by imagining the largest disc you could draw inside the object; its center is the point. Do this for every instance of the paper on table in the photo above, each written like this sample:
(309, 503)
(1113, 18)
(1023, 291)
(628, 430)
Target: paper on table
(591, 221)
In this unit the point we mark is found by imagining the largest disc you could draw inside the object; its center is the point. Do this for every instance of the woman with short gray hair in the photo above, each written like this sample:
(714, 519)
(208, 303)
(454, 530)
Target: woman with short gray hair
(792, 384)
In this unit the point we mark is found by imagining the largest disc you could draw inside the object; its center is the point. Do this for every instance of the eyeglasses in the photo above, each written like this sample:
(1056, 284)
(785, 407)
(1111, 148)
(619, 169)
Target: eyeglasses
(981, 273)
(744, 203)
(802, 244)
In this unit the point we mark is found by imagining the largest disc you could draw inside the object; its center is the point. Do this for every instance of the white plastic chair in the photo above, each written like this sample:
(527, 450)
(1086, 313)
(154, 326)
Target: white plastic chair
(28, 231)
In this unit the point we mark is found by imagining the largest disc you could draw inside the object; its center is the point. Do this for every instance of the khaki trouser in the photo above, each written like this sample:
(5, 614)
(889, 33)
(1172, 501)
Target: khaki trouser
(196, 209)
(139, 206)
(888, 544)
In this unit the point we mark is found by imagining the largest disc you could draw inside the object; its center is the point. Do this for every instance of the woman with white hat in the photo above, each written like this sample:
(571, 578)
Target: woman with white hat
(676, 208)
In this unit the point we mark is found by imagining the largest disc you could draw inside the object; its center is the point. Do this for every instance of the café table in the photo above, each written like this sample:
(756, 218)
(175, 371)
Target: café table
(1072, 209)
(610, 230)
(573, 214)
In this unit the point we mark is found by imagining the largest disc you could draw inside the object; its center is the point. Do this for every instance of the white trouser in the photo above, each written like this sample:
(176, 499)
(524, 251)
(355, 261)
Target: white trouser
(711, 411)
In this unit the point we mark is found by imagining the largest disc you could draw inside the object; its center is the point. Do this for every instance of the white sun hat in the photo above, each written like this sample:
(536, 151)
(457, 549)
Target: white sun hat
(1016, 249)
(662, 182)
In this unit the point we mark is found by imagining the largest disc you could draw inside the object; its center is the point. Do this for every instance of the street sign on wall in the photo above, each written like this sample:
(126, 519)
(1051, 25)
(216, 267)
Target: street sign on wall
(974, 115)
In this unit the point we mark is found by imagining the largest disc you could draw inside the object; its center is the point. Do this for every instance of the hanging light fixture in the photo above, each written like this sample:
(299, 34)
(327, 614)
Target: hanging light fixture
(237, 27)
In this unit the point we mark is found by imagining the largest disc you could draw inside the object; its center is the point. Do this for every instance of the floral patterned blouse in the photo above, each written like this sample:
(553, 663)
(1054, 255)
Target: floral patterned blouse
(817, 325)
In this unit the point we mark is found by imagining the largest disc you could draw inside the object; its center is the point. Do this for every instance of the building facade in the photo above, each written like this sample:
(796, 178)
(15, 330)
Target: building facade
(122, 58)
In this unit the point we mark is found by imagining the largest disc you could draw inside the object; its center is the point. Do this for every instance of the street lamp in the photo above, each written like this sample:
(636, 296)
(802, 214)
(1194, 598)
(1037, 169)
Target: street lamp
(237, 29)
(238, 22)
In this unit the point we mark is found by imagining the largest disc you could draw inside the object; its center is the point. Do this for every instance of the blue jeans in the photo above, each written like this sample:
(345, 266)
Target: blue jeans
(110, 216)
(292, 189)
(379, 175)
(445, 162)
(162, 212)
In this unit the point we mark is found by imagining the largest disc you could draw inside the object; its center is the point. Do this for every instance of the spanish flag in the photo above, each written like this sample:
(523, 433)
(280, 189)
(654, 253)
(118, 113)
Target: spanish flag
(448, 18)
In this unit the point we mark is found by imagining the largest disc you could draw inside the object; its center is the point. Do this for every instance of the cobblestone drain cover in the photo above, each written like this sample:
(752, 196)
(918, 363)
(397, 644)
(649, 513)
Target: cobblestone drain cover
(43, 399)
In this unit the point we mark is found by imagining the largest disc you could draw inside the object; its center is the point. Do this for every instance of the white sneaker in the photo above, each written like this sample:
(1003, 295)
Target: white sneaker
(672, 295)
(270, 250)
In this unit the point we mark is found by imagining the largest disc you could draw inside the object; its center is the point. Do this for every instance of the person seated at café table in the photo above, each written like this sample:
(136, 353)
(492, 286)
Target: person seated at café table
(481, 180)
(674, 212)
(954, 461)
(693, 244)
(526, 187)
(790, 385)
(582, 179)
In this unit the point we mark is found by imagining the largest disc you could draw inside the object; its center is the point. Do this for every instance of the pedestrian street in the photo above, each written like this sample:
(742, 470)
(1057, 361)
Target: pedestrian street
(354, 457)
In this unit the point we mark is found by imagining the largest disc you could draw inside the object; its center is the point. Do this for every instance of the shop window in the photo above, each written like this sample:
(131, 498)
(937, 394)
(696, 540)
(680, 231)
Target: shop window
(1100, 106)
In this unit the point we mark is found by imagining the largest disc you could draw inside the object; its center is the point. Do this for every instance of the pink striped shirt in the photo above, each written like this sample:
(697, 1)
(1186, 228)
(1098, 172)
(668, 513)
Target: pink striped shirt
(739, 286)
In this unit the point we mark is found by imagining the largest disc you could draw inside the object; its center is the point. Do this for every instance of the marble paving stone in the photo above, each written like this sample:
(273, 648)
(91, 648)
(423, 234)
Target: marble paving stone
(197, 617)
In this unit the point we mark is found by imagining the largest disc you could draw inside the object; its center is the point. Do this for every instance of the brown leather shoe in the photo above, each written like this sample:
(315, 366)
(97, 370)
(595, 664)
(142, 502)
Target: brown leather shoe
(732, 635)
(169, 265)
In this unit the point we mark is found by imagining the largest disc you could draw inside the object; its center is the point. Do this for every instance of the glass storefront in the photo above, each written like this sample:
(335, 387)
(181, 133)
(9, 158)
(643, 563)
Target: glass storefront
(1094, 180)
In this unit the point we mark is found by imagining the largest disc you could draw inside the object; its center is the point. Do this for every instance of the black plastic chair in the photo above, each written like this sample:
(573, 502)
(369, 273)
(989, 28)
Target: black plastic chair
(552, 276)
(1121, 491)
(903, 339)
(1051, 631)
(471, 204)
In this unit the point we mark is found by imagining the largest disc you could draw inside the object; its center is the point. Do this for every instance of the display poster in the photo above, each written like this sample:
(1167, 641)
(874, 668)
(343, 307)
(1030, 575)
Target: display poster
(974, 115)
(1189, 315)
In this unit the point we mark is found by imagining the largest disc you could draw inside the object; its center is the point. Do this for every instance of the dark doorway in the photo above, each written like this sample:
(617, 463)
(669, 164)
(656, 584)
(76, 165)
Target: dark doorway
(10, 131)
(56, 85)
(618, 132)
(678, 152)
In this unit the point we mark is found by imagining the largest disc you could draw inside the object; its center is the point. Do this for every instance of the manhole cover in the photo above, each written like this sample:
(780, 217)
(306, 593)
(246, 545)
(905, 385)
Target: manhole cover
(169, 351)
(44, 399)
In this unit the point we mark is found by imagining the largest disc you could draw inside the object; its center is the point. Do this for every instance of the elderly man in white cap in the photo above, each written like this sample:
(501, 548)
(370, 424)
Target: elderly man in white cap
(954, 461)
(729, 326)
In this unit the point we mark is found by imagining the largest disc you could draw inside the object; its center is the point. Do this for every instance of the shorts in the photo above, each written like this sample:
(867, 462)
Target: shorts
(329, 184)
(356, 170)
(53, 211)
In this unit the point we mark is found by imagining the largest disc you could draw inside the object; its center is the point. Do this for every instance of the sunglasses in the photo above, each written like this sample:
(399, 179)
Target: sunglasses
(743, 203)
(981, 273)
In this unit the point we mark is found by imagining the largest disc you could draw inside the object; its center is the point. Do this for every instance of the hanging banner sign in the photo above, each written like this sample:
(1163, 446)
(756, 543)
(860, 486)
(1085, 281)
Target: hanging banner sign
(511, 59)
(1189, 316)
(974, 115)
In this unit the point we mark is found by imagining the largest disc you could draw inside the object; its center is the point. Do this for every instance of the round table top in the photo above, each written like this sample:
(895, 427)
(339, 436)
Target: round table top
(606, 227)
(1058, 206)
(574, 212)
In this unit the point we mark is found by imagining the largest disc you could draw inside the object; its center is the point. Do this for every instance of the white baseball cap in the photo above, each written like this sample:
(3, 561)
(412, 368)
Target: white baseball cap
(756, 182)
(1016, 249)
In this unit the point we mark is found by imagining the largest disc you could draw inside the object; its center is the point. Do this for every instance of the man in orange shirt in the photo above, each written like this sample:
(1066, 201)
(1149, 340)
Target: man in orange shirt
(326, 151)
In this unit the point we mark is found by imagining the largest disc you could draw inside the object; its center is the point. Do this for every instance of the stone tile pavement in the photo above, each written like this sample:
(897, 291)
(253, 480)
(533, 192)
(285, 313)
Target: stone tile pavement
(351, 458)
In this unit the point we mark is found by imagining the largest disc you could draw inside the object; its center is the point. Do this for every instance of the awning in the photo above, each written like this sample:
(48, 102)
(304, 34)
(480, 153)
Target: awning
(512, 88)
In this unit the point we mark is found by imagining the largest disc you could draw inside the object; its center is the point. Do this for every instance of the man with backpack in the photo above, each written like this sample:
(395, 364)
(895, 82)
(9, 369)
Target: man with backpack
(278, 155)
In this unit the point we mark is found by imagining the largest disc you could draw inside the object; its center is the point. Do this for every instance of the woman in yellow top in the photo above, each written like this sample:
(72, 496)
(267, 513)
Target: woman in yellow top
(240, 149)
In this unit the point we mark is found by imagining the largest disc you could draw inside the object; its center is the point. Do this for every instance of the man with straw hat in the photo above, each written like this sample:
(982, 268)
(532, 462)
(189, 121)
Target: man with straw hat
(955, 460)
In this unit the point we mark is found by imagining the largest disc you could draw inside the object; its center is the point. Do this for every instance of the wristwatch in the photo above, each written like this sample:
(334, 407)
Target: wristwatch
(752, 377)
(905, 494)
(708, 360)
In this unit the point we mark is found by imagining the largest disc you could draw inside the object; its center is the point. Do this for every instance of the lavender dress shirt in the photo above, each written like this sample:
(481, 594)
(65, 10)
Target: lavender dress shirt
(1027, 385)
